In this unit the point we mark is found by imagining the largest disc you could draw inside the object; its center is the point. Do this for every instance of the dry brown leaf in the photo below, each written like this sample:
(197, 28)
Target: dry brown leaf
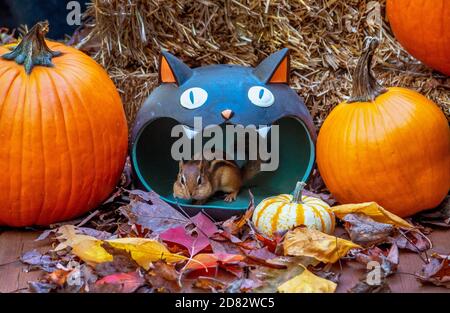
(437, 271)
(388, 259)
(372, 210)
(209, 283)
(303, 241)
(363, 287)
(364, 231)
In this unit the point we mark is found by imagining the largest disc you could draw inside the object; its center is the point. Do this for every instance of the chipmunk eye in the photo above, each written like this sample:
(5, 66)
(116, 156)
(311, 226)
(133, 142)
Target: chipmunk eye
(183, 180)
(199, 180)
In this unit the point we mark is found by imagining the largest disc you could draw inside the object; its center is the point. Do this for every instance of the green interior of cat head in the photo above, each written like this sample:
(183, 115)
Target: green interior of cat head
(157, 170)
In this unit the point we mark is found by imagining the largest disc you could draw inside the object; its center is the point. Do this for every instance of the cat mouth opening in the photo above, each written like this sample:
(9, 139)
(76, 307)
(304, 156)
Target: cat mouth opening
(155, 167)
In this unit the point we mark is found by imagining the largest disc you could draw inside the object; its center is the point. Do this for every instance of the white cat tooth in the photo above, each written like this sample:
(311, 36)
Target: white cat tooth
(263, 131)
(190, 133)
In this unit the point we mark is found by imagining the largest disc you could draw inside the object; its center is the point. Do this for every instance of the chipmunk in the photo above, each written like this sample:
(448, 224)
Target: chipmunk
(199, 180)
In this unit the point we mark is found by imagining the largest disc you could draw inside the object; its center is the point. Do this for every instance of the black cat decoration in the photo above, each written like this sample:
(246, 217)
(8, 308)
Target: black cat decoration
(223, 95)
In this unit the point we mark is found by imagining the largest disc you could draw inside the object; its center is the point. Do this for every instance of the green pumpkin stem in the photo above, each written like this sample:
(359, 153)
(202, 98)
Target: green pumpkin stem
(365, 86)
(298, 192)
(33, 49)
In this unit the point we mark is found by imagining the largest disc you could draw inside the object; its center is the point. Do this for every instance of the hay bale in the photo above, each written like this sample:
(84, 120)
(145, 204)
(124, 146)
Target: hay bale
(325, 38)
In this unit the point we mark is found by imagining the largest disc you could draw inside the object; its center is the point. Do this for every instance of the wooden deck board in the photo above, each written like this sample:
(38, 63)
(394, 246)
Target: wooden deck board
(13, 243)
(410, 263)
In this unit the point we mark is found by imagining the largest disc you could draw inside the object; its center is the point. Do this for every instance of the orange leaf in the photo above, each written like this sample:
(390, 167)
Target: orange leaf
(208, 260)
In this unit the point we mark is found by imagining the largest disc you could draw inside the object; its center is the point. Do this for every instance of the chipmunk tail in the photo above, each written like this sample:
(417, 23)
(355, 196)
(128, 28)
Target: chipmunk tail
(250, 170)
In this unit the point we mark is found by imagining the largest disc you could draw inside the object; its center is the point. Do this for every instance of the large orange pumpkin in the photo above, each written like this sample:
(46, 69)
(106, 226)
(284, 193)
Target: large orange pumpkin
(423, 29)
(63, 132)
(389, 145)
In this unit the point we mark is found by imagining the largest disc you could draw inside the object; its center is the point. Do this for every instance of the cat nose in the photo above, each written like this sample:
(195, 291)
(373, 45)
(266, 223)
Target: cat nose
(227, 114)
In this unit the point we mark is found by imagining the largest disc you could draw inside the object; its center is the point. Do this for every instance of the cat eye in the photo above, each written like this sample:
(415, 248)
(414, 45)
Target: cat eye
(183, 180)
(261, 96)
(193, 98)
(199, 180)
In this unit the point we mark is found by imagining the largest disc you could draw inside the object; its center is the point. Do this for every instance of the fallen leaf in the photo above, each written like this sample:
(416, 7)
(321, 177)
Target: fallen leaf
(372, 210)
(235, 269)
(413, 241)
(303, 241)
(45, 234)
(243, 285)
(41, 287)
(69, 237)
(204, 225)
(364, 231)
(388, 259)
(437, 271)
(58, 277)
(163, 277)
(36, 260)
(262, 255)
(307, 282)
(119, 283)
(145, 289)
(272, 244)
(213, 260)
(234, 225)
(89, 249)
(326, 197)
(209, 283)
(102, 235)
(122, 262)
(363, 287)
(157, 217)
(165, 270)
(286, 269)
(331, 276)
(194, 242)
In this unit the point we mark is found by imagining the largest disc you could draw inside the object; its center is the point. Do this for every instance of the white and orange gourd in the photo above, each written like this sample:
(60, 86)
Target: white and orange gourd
(283, 212)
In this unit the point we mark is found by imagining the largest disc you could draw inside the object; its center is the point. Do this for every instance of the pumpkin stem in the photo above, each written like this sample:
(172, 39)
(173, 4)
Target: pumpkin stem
(365, 86)
(33, 49)
(298, 192)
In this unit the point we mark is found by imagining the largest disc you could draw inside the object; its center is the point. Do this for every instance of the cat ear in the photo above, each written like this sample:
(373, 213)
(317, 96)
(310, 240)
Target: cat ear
(274, 69)
(173, 70)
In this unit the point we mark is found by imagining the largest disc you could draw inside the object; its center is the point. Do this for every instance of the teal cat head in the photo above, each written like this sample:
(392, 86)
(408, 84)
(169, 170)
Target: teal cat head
(223, 94)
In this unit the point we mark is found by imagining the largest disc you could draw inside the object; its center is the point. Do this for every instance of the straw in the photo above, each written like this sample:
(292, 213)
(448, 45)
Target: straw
(325, 37)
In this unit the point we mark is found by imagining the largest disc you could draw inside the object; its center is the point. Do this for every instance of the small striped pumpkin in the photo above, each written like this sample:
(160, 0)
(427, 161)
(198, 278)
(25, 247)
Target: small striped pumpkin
(285, 211)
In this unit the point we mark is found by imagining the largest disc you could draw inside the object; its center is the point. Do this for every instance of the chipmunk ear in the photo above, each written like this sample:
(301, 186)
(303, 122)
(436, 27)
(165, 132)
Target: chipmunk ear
(274, 69)
(173, 70)
(204, 165)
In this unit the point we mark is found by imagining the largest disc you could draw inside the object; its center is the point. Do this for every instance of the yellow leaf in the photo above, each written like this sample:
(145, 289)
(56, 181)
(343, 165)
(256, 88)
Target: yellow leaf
(89, 249)
(303, 241)
(307, 282)
(144, 251)
(374, 211)
(68, 237)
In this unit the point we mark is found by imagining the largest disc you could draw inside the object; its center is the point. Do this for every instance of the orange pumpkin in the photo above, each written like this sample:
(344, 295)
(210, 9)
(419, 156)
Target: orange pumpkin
(63, 132)
(389, 145)
(423, 29)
